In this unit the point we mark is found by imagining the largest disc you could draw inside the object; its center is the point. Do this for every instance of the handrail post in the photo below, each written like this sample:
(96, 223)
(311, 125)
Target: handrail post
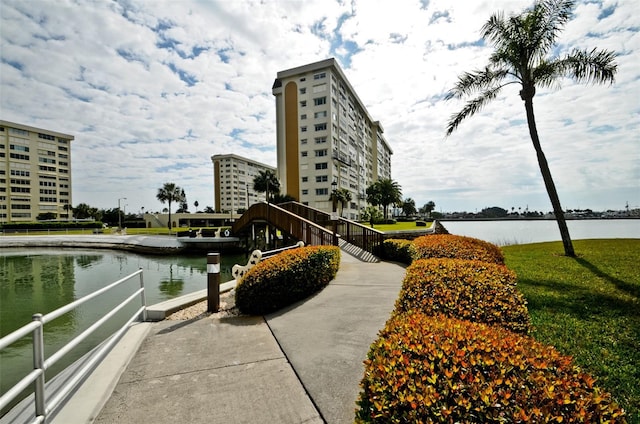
(143, 298)
(38, 363)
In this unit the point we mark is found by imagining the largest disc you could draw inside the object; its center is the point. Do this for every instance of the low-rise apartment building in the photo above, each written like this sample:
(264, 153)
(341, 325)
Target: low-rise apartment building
(233, 182)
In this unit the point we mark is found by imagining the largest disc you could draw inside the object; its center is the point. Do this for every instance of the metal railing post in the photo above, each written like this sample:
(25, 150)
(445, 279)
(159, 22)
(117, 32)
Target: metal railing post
(143, 299)
(38, 364)
(213, 282)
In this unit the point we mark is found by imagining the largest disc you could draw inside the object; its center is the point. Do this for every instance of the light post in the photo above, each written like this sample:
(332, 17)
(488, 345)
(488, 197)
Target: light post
(119, 214)
(334, 215)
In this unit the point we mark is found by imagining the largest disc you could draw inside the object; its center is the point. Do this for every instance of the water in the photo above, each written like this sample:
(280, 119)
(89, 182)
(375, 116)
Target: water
(507, 232)
(42, 280)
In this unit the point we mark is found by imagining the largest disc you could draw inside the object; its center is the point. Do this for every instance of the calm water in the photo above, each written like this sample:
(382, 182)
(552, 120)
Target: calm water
(523, 232)
(42, 280)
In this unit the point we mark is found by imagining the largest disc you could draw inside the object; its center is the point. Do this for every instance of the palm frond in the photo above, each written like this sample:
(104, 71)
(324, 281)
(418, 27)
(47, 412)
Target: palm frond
(472, 82)
(471, 107)
(547, 20)
(595, 66)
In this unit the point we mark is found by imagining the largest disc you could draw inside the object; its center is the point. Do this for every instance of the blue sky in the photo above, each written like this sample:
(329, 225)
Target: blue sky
(152, 89)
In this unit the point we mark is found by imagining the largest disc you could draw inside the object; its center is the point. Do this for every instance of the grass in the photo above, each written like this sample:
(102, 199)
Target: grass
(588, 308)
(400, 226)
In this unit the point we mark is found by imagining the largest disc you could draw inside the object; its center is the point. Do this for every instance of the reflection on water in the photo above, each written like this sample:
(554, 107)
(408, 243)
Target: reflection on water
(42, 280)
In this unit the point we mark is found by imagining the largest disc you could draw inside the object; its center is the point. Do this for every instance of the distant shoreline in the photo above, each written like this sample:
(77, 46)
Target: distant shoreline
(531, 218)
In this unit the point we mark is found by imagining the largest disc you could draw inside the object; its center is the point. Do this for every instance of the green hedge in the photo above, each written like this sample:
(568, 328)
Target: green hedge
(286, 278)
(456, 247)
(397, 250)
(472, 290)
(50, 225)
(435, 369)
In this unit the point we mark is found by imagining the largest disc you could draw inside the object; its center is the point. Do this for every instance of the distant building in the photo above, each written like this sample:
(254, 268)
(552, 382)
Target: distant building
(233, 182)
(325, 135)
(35, 173)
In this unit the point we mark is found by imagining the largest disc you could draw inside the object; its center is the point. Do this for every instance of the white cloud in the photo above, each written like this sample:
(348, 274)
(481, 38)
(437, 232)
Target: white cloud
(111, 74)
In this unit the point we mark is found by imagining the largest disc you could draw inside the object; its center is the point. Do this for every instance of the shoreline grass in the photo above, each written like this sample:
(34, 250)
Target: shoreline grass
(587, 307)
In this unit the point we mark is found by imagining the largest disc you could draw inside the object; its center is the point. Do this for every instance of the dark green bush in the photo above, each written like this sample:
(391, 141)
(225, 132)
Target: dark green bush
(457, 247)
(435, 369)
(286, 278)
(472, 290)
(397, 250)
(36, 226)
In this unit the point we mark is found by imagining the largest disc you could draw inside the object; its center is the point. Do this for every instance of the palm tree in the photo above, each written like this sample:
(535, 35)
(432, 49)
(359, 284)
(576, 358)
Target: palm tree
(266, 182)
(428, 208)
(523, 44)
(408, 207)
(196, 204)
(342, 196)
(384, 192)
(169, 193)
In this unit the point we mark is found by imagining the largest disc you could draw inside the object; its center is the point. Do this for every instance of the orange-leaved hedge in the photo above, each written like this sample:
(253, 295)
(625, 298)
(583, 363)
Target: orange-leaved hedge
(286, 278)
(443, 370)
(453, 246)
(472, 290)
(397, 250)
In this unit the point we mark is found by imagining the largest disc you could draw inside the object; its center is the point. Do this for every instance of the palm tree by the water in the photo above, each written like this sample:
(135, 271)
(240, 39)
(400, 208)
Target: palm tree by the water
(266, 182)
(170, 193)
(384, 192)
(523, 45)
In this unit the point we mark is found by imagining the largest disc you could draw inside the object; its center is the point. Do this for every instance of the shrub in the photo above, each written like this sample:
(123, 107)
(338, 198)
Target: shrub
(472, 290)
(452, 246)
(286, 278)
(397, 250)
(439, 369)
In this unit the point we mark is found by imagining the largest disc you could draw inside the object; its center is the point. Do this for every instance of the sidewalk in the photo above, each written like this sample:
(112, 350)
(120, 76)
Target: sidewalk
(302, 364)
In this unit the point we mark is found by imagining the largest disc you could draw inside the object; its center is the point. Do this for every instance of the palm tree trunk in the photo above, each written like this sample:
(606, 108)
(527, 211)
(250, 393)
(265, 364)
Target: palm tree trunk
(548, 180)
(169, 217)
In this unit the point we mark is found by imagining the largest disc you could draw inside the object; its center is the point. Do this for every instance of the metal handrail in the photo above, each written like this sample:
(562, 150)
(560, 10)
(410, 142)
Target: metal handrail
(352, 232)
(44, 407)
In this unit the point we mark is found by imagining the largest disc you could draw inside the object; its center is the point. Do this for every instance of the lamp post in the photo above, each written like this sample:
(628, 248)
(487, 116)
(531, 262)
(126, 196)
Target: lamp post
(119, 214)
(334, 215)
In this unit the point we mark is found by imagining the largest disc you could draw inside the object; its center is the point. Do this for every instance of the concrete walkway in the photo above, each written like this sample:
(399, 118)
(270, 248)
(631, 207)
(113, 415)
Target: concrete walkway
(300, 365)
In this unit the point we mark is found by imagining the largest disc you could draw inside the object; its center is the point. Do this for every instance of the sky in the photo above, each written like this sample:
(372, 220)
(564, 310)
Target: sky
(151, 89)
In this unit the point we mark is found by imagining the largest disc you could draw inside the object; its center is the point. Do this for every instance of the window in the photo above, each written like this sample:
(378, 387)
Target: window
(305, 192)
(322, 191)
(322, 114)
(321, 165)
(46, 136)
(319, 88)
(320, 101)
(321, 152)
(321, 127)
(303, 129)
(322, 178)
(303, 79)
(303, 90)
(18, 156)
(303, 116)
(305, 179)
(304, 154)
(320, 75)
(303, 103)
(18, 148)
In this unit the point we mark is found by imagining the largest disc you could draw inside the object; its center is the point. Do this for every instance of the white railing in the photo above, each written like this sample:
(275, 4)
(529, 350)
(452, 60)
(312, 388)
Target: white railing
(43, 406)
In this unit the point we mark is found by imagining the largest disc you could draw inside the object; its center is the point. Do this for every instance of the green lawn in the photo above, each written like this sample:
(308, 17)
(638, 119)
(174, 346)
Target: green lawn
(400, 226)
(588, 308)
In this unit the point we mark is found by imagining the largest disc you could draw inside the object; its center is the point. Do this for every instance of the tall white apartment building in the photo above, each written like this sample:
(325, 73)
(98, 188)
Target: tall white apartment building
(325, 135)
(35, 173)
(233, 182)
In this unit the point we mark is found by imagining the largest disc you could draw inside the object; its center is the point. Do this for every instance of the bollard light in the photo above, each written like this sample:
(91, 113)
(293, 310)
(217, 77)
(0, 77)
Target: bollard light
(213, 282)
